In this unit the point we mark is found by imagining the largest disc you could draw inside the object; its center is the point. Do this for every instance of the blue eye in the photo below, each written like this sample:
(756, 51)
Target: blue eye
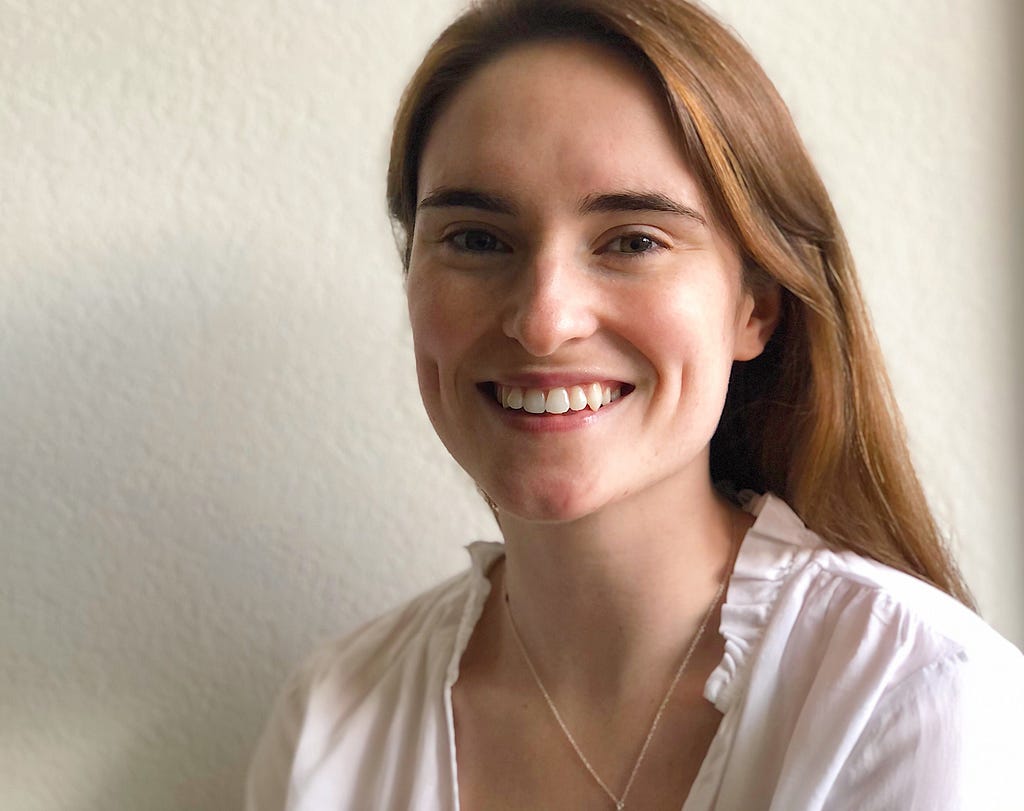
(474, 240)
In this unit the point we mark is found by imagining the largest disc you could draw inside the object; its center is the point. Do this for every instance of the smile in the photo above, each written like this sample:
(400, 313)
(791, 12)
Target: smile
(557, 400)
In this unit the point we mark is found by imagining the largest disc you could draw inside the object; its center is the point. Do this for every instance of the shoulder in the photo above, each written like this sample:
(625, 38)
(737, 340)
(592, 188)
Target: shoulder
(832, 591)
(422, 627)
(878, 689)
(421, 631)
(895, 613)
(383, 682)
(801, 609)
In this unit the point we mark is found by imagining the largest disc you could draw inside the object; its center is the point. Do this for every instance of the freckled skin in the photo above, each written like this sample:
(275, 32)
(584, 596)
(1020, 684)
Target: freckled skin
(551, 289)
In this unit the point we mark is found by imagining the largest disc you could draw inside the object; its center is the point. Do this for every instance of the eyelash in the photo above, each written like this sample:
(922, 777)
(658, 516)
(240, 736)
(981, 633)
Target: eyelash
(456, 240)
(451, 240)
(656, 245)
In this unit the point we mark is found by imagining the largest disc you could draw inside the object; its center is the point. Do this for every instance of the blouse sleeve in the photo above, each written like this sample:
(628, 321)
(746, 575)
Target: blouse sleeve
(270, 772)
(945, 739)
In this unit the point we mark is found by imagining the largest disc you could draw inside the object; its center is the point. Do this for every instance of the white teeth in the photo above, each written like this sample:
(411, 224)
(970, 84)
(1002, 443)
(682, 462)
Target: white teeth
(558, 400)
(533, 401)
(577, 399)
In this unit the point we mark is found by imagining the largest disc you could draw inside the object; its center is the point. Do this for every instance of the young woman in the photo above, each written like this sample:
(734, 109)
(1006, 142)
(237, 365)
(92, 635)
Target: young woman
(638, 328)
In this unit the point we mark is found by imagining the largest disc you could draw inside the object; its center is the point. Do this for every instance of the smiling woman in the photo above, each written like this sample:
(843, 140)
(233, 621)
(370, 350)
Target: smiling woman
(638, 328)
(561, 246)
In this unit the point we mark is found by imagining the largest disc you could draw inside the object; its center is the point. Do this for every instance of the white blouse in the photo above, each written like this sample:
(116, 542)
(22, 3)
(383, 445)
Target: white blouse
(845, 685)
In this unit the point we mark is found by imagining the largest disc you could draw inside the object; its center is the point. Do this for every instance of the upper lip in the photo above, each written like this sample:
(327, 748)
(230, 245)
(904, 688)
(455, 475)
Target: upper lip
(552, 380)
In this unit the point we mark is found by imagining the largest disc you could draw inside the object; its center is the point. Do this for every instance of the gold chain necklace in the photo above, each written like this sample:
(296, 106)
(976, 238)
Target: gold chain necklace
(620, 802)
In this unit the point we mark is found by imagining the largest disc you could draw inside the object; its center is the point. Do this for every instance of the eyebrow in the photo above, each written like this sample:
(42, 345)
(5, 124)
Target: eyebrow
(610, 202)
(467, 198)
(638, 201)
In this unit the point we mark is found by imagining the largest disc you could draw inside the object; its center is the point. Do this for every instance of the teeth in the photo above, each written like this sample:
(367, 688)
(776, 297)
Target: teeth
(558, 400)
(533, 401)
(577, 399)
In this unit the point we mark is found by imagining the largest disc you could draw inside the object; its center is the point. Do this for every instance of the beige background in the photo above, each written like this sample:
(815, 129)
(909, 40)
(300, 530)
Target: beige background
(212, 452)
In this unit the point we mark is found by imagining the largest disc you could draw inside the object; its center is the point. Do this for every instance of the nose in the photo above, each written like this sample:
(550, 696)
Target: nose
(551, 303)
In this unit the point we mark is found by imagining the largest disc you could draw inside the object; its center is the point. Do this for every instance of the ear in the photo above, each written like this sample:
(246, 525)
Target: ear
(759, 312)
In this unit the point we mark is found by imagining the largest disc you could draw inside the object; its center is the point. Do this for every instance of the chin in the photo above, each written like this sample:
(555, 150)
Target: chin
(548, 504)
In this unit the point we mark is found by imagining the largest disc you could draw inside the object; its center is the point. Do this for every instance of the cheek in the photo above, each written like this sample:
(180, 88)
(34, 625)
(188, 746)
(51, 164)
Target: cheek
(425, 330)
(428, 341)
(688, 327)
(426, 313)
(688, 335)
(440, 328)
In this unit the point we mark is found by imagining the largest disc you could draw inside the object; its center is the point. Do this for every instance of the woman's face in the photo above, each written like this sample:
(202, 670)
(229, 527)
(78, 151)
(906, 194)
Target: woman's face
(562, 248)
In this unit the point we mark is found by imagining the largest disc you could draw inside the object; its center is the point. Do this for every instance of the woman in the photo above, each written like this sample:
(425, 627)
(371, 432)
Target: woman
(626, 286)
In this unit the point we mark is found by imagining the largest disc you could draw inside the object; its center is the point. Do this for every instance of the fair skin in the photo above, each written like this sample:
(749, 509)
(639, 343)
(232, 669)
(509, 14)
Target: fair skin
(561, 240)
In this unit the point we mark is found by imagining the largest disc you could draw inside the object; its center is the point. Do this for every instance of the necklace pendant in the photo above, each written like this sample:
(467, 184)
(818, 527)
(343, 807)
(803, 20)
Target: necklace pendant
(619, 805)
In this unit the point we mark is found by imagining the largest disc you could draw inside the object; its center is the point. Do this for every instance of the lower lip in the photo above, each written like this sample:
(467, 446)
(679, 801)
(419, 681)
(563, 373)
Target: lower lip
(523, 420)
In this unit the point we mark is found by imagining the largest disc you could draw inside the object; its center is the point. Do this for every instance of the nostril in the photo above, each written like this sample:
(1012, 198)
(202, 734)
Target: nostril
(543, 332)
(550, 307)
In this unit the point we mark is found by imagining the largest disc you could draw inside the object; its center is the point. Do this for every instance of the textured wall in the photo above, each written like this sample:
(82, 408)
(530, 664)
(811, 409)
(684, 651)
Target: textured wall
(212, 452)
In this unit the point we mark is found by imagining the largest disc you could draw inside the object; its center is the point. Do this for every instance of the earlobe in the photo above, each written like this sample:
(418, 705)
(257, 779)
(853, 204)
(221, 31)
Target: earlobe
(761, 312)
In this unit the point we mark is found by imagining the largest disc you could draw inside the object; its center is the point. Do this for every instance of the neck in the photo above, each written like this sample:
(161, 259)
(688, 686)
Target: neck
(615, 597)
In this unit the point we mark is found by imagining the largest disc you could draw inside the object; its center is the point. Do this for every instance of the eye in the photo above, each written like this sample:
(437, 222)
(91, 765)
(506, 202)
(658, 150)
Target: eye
(476, 240)
(632, 245)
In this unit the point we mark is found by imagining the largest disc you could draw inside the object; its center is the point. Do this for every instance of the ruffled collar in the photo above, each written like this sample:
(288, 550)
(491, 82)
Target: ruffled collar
(777, 543)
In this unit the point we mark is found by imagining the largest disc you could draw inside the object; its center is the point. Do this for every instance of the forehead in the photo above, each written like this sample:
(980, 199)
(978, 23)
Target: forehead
(564, 117)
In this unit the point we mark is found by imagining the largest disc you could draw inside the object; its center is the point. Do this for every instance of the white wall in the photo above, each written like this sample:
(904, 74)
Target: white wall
(212, 452)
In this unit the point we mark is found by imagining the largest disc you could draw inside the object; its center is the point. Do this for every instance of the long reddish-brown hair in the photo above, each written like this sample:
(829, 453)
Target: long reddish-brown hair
(813, 418)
